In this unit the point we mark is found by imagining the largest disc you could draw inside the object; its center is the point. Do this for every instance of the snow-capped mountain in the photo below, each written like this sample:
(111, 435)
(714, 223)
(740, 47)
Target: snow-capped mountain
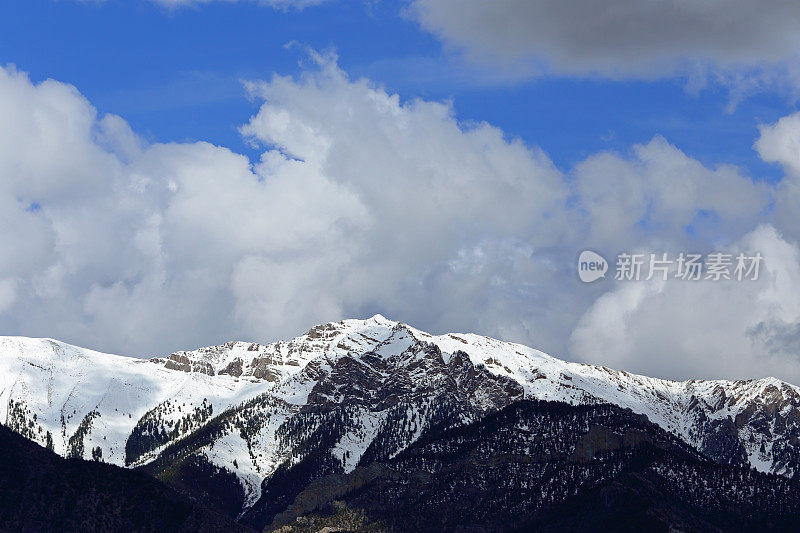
(346, 394)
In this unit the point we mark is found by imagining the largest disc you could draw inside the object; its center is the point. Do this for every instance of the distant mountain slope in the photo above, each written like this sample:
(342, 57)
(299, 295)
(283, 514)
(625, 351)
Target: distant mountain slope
(546, 466)
(40, 491)
(226, 423)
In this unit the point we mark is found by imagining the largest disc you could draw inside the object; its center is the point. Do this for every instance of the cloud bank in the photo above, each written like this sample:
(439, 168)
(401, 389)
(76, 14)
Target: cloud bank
(749, 44)
(362, 202)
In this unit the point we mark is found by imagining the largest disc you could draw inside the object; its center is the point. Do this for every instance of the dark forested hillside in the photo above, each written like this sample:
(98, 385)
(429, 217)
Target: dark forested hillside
(547, 466)
(40, 491)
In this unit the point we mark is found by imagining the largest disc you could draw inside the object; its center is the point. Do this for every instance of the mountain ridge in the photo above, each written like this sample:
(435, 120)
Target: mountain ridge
(368, 388)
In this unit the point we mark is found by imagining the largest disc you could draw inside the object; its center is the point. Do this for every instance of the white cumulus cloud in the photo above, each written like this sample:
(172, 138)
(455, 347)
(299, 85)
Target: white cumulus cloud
(363, 202)
(747, 328)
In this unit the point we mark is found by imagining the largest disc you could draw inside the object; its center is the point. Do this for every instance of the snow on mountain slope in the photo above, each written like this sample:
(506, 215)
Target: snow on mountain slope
(49, 387)
(361, 389)
(748, 421)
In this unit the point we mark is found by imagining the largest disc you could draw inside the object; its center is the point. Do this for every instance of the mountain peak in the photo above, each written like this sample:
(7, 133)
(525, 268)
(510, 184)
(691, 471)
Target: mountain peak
(371, 363)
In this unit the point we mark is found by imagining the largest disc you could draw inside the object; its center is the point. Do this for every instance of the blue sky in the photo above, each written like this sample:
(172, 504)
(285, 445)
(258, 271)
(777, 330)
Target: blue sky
(174, 75)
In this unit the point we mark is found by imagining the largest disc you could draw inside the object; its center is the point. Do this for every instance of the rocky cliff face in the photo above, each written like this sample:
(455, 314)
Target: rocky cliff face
(265, 421)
